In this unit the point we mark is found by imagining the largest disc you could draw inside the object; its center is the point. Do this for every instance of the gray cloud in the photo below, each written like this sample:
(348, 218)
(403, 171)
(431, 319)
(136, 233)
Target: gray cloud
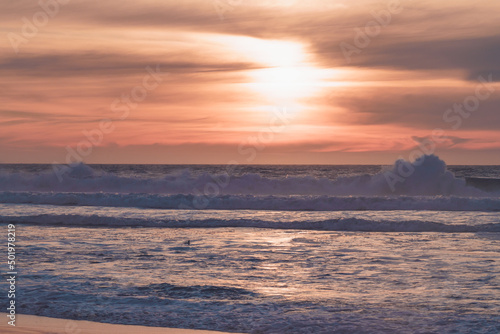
(421, 108)
(445, 141)
(423, 36)
(106, 64)
(475, 56)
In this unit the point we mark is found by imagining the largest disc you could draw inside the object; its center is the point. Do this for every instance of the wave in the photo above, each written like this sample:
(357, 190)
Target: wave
(204, 292)
(252, 202)
(485, 184)
(339, 224)
(428, 176)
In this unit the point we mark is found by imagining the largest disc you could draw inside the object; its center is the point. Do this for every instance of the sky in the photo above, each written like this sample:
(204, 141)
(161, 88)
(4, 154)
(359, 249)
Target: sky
(249, 82)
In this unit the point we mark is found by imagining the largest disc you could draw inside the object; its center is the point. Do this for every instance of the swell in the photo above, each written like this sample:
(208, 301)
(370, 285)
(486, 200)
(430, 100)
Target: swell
(253, 202)
(340, 224)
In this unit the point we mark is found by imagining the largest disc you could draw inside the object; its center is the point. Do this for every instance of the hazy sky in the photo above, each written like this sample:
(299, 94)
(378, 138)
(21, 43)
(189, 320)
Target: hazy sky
(271, 81)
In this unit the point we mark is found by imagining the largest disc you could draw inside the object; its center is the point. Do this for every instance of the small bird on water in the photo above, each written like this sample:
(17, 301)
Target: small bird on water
(187, 242)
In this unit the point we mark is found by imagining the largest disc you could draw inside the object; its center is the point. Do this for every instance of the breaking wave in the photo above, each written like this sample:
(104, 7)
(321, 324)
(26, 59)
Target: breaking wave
(427, 176)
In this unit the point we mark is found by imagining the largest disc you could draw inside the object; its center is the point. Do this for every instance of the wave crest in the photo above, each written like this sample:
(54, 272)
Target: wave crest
(427, 176)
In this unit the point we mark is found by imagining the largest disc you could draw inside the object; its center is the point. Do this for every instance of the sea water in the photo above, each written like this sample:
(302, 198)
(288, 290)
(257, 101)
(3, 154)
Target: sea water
(258, 249)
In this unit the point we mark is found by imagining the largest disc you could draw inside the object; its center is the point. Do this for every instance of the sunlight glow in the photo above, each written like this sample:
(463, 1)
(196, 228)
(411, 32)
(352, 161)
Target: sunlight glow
(267, 52)
(287, 76)
(286, 84)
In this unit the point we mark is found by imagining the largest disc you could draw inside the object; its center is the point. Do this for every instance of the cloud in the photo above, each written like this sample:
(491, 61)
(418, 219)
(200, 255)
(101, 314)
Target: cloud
(445, 142)
(426, 35)
(417, 108)
(91, 64)
(65, 78)
(474, 56)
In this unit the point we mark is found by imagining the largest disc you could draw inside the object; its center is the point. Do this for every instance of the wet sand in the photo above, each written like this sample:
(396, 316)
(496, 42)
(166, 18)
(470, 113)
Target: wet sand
(30, 324)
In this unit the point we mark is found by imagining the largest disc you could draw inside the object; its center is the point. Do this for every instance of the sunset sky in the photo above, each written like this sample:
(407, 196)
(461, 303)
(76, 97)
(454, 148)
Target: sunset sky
(271, 81)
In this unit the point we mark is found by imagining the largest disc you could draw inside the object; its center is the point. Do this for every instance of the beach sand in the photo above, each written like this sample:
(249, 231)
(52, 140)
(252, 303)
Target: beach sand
(30, 324)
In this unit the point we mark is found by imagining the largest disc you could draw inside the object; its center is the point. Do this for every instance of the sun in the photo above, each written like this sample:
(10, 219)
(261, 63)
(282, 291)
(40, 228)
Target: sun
(276, 75)
(283, 74)
(286, 85)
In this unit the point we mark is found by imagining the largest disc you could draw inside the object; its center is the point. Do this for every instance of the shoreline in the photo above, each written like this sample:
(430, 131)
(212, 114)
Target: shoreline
(33, 324)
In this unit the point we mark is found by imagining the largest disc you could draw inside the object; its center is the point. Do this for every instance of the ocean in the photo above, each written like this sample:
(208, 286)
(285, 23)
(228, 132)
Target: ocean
(408, 248)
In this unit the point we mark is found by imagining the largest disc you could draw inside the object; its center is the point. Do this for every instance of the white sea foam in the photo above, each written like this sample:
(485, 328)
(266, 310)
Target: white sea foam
(429, 177)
